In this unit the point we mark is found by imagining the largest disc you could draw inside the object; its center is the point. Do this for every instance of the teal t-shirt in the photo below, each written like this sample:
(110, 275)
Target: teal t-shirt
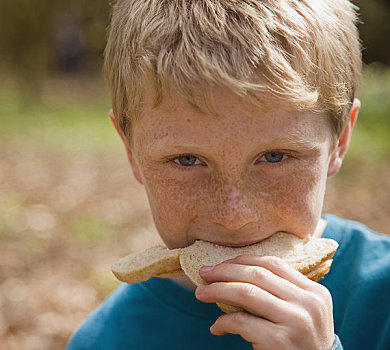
(159, 314)
(359, 281)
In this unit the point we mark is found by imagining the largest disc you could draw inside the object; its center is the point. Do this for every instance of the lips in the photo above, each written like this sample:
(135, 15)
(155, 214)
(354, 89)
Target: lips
(242, 243)
(237, 245)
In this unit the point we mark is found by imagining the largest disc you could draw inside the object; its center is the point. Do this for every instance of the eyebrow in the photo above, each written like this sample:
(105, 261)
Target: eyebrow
(295, 141)
(290, 140)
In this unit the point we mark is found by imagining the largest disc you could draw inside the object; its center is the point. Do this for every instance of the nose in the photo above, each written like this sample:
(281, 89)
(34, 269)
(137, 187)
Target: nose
(233, 208)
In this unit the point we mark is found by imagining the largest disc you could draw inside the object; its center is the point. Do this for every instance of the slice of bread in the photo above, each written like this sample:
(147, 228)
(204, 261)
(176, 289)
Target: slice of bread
(302, 255)
(311, 257)
(320, 271)
(157, 261)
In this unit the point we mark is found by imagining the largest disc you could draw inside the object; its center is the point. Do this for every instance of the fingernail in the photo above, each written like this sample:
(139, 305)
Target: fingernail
(206, 269)
(213, 331)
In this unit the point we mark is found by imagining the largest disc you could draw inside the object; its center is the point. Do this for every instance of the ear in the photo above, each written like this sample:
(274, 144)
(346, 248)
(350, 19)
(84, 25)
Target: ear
(339, 152)
(129, 153)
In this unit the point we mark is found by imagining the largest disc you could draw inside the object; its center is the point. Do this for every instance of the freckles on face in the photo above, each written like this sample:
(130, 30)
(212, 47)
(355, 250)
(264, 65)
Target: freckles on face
(296, 200)
(224, 205)
(173, 200)
(232, 193)
(173, 206)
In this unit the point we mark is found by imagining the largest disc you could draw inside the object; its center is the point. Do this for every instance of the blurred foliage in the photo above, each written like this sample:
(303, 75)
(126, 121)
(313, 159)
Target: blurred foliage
(68, 114)
(375, 30)
(90, 228)
(375, 91)
(370, 142)
(39, 36)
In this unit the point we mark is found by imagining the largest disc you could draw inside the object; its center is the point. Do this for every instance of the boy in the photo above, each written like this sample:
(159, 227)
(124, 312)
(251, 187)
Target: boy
(233, 114)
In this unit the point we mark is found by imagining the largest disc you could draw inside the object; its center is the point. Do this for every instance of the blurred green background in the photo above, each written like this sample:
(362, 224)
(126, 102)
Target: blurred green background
(68, 203)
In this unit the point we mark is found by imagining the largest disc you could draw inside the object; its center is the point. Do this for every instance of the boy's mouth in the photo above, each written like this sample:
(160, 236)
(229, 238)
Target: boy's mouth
(239, 244)
(243, 243)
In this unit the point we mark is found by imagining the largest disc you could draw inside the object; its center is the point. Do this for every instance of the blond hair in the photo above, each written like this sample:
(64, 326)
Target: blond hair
(306, 52)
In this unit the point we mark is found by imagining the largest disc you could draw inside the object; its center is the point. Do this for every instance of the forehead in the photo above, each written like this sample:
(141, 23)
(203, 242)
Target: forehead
(227, 117)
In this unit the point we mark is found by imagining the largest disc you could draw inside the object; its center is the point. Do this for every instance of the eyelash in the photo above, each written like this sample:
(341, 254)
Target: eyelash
(286, 155)
(172, 161)
(187, 156)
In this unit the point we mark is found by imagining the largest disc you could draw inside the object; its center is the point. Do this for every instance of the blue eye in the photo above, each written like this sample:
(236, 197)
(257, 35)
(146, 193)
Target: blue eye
(187, 160)
(273, 157)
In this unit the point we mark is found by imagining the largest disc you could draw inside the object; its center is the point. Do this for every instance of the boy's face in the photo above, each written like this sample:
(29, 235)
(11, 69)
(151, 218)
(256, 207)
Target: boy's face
(234, 178)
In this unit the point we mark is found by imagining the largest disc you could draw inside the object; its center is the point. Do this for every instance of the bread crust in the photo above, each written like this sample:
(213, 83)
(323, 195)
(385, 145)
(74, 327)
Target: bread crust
(157, 261)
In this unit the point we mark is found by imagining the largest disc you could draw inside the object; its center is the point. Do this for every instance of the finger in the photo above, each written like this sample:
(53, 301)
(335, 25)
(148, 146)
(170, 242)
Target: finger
(247, 296)
(278, 267)
(256, 275)
(253, 329)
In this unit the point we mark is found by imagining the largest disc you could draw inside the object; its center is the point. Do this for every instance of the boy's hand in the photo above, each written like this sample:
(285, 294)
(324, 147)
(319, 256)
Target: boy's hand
(283, 308)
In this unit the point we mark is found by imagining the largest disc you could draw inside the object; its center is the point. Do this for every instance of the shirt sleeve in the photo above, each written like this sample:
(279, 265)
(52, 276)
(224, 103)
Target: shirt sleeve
(337, 344)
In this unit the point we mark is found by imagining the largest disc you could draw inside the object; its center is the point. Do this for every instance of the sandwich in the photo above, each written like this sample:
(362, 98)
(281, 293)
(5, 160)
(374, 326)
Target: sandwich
(312, 257)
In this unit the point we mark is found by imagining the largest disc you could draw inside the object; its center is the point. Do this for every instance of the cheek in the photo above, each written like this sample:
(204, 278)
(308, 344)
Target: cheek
(173, 204)
(295, 198)
(167, 197)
